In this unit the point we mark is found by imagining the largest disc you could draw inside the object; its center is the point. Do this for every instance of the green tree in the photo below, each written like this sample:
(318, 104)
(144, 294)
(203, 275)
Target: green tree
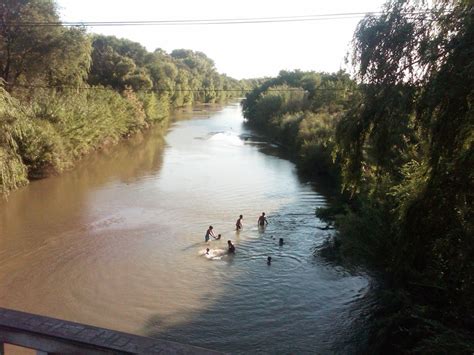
(47, 54)
(407, 147)
(113, 64)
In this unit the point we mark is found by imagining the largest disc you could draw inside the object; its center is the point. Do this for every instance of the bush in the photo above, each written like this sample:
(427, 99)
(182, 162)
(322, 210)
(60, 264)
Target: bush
(53, 129)
(13, 172)
(41, 148)
(156, 107)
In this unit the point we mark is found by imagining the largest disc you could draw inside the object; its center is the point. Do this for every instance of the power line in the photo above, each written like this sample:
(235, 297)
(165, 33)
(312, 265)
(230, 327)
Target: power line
(168, 90)
(222, 21)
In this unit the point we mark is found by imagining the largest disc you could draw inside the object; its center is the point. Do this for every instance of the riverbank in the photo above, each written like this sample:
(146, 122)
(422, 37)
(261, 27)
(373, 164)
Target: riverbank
(383, 181)
(65, 93)
(50, 133)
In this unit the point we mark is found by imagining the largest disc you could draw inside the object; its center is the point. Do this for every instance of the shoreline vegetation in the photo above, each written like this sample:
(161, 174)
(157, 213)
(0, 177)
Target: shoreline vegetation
(65, 93)
(398, 141)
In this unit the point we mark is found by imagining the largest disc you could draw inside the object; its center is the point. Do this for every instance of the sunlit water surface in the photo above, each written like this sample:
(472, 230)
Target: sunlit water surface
(118, 243)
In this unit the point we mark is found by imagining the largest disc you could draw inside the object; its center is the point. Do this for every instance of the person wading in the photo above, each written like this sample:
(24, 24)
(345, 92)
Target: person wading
(262, 220)
(231, 249)
(238, 224)
(209, 234)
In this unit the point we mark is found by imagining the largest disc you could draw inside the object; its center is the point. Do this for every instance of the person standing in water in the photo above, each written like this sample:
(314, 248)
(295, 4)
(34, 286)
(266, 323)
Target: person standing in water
(231, 247)
(262, 220)
(238, 224)
(209, 234)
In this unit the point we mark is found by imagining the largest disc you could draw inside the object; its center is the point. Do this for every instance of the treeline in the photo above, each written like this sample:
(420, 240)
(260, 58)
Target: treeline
(400, 142)
(65, 93)
(301, 110)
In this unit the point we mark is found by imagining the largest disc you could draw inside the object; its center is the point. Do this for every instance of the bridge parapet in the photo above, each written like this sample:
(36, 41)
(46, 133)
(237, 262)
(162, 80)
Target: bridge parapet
(54, 336)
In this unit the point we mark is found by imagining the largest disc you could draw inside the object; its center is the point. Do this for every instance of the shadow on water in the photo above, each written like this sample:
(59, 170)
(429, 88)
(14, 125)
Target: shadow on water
(324, 184)
(298, 304)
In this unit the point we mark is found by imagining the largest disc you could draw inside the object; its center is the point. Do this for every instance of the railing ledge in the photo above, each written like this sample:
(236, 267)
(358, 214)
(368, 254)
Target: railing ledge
(50, 335)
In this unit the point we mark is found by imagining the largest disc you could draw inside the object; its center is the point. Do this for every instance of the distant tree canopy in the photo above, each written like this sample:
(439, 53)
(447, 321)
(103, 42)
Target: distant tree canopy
(57, 55)
(64, 93)
(184, 75)
(301, 110)
(321, 90)
(114, 64)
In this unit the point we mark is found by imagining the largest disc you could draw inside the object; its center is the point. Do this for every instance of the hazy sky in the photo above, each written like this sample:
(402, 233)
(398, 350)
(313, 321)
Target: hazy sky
(241, 51)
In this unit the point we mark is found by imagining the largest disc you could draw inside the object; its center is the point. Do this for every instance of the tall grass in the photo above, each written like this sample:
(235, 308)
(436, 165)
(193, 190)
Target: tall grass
(50, 130)
(13, 172)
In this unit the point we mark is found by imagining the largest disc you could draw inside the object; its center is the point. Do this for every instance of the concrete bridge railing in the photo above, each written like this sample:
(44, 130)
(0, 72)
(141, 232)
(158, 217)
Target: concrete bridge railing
(53, 336)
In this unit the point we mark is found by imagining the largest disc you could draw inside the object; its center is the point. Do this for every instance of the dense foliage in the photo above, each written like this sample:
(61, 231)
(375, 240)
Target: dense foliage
(64, 93)
(301, 110)
(403, 145)
(36, 54)
(408, 147)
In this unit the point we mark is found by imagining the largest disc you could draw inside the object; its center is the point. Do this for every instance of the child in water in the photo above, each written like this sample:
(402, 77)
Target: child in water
(231, 247)
(238, 224)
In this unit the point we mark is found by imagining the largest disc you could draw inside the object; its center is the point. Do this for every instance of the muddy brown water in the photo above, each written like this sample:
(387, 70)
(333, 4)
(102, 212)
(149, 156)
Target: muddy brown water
(119, 241)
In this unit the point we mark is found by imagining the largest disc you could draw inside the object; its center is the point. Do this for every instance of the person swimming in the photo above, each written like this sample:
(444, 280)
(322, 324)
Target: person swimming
(238, 224)
(262, 220)
(207, 251)
(218, 237)
(231, 249)
(269, 260)
(281, 242)
(209, 234)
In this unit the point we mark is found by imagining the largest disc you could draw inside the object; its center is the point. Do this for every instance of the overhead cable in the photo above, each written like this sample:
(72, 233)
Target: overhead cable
(220, 21)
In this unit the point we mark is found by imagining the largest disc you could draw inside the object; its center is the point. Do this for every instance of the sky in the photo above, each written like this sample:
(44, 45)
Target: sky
(240, 51)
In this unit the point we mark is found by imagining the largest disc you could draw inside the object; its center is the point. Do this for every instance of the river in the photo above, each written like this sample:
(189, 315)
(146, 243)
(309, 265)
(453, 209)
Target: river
(118, 242)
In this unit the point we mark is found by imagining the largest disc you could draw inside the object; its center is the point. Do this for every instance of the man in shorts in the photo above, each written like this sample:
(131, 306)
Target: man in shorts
(262, 220)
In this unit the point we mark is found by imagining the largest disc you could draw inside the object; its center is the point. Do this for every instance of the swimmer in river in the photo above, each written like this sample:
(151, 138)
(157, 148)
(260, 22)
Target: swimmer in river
(269, 260)
(207, 251)
(231, 247)
(262, 220)
(218, 237)
(209, 234)
(238, 224)
(281, 242)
